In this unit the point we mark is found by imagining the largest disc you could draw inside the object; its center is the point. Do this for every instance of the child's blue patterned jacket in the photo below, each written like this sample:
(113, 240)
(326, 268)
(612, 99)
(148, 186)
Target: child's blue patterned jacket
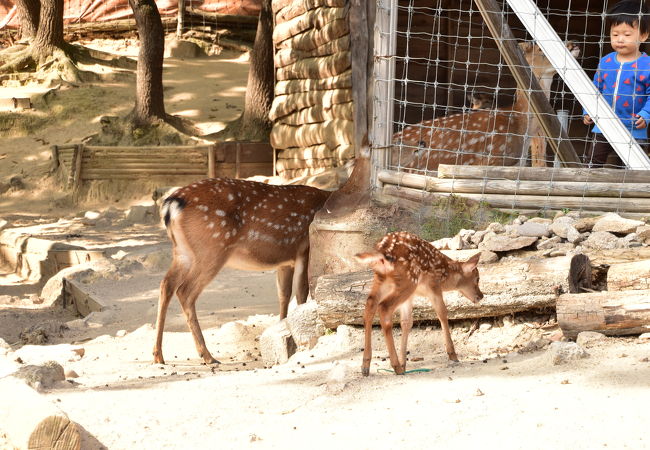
(626, 87)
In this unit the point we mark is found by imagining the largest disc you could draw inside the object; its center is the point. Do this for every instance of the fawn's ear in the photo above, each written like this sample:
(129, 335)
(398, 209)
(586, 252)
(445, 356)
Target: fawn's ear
(471, 263)
(375, 260)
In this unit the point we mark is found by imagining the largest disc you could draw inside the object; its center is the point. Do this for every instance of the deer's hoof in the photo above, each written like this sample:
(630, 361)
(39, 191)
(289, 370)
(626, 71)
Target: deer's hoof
(365, 371)
(158, 359)
(399, 370)
(453, 363)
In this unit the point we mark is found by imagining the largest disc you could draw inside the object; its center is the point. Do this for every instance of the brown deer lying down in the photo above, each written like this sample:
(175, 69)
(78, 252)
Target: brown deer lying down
(405, 266)
(482, 136)
(236, 223)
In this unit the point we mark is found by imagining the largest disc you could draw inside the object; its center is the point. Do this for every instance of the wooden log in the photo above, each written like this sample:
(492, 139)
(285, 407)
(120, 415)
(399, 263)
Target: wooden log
(515, 187)
(313, 152)
(112, 26)
(288, 10)
(324, 66)
(612, 313)
(112, 166)
(283, 105)
(144, 149)
(544, 174)
(311, 19)
(222, 20)
(32, 422)
(529, 201)
(509, 287)
(285, 164)
(316, 37)
(317, 114)
(287, 56)
(331, 133)
(343, 81)
(629, 276)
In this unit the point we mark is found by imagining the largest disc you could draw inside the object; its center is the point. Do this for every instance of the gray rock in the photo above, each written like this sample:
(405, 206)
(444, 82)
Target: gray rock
(586, 223)
(477, 237)
(305, 325)
(3, 224)
(441, 244)
(533, 229)
(488, 257)
(549, 243)
(563, 352)
(349, 338)
(643, 232)
(338, 377)
(456, 243)
(39, 334)
(41, 376)
(91, 215)
(139, 214)
(505, 243)
(644, 336)
(601, 240)
(540, 220)
(560, 226)
(496, 227)
(589, 338)
(276, 344)
(613, 223)
(573, 235)
(179, 48)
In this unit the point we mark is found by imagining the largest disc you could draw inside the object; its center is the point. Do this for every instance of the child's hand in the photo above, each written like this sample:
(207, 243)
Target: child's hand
(640, 122)
(586, 119)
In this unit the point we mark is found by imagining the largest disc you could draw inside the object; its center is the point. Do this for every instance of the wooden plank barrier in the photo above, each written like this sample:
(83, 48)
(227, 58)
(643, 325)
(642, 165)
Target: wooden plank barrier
(528, 188)
(79, 162)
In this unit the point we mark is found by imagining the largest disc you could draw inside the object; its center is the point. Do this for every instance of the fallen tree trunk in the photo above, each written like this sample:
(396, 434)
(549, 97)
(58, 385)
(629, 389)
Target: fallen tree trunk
(509, 287)
(629, 276)
(611, 313)
(31, 421)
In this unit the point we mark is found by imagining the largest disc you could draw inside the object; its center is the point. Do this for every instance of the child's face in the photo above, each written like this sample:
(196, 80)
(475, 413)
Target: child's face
(626, 39)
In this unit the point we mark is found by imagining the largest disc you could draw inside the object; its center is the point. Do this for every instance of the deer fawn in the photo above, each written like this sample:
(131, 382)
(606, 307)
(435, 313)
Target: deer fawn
(483, 137)
(237, 223)
(404, 266)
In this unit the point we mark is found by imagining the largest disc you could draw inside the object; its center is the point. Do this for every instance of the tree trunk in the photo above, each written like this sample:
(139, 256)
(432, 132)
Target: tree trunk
(259, 89)
(149, 102)
(607, 312)
(49, 36)
(29, 12)
(509, 287)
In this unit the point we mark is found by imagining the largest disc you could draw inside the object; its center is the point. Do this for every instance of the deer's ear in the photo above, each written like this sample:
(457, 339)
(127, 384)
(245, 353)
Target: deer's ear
(471, 263)
(375, 260)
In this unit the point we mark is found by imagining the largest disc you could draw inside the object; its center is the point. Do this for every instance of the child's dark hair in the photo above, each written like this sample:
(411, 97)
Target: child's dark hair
(630, 12)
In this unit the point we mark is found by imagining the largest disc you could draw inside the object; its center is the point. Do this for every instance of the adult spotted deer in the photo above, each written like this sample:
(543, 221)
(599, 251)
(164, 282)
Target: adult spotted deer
(242, 224)
(405, 266)
(483, 137)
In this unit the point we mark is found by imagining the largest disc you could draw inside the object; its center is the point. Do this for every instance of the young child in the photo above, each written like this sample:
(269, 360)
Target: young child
(623, 77)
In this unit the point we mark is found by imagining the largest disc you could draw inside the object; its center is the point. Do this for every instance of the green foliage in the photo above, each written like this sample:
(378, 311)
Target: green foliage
(450, 214)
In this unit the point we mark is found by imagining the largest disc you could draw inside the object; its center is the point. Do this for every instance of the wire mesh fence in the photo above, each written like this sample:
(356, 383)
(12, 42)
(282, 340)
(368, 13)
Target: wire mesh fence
(462, 114)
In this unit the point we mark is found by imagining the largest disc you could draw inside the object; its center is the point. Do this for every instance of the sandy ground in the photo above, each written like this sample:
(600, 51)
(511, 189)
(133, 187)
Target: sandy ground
(497, 397)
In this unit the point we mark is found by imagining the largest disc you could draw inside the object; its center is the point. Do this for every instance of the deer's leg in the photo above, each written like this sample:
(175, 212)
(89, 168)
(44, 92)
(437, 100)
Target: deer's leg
(284, 279)
(406, 322)
(196, 280)
(301, 277)
(168, 287)
(386, 321)
(441, 310)
(538, 151)
(368, 315)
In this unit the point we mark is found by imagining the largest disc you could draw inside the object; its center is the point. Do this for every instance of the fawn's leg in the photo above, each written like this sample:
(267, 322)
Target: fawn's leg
(168, 287)
(386, 320)
(368, 315)
(196, 280)
(441, 310)
(284, 279)
(406, 321)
